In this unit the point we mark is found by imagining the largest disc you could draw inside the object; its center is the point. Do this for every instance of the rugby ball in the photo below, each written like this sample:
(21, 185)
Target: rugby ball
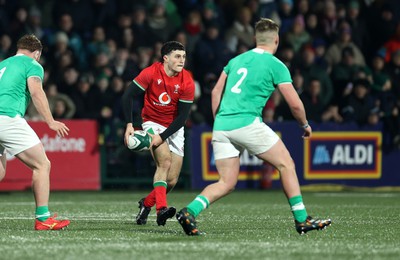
(139, 141)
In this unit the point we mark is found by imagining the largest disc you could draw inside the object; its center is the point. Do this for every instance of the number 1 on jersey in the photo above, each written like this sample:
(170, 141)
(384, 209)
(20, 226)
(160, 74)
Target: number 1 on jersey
(235, 88)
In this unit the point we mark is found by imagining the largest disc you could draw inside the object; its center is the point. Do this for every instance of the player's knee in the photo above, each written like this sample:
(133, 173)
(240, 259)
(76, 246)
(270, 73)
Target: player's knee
(165, 163)
(2, 167)
(287, 166)
(228, 187)
(2, 174)
(43, 166)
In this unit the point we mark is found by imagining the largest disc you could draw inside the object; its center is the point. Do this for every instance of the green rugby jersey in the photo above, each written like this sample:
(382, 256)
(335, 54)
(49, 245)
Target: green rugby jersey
(252, 77)
(14, 92)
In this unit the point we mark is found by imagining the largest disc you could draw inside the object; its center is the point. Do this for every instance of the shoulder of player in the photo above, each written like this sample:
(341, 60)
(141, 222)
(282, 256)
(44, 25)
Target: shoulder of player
(187, 76)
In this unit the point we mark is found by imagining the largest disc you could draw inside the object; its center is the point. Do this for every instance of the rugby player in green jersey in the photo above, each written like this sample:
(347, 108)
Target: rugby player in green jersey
(238, 99)
(20, 81)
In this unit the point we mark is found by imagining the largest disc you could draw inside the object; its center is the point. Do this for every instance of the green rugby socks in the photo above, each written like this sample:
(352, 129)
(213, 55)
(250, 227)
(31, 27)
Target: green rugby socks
(42, 213)
(198, 205)
(298, 208)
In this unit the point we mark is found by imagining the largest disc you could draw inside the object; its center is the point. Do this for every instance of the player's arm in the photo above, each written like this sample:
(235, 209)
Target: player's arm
(131, 93)
(296, 106)
(41, 103)
(216, 93)
(179, 121)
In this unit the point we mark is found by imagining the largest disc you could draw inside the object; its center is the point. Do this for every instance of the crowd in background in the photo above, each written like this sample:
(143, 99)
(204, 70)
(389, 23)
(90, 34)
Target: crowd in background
(344, 56)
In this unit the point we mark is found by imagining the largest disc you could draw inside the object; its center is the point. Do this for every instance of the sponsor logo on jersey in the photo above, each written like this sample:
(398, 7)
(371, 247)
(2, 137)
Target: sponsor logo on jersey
(164, 98)
(348, 155)
(159, 81)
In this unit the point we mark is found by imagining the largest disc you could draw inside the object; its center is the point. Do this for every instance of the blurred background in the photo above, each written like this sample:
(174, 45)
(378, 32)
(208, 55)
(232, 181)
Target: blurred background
(344, 57)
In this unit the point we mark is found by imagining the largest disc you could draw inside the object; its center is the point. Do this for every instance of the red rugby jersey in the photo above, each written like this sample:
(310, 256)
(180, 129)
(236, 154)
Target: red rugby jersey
(162, 93)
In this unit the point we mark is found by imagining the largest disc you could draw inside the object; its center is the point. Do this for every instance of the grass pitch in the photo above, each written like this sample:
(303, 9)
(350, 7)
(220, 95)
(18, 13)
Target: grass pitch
(244, 225)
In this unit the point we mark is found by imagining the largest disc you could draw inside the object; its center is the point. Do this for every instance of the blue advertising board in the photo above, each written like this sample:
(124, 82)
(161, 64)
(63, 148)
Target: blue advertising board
(336, 154)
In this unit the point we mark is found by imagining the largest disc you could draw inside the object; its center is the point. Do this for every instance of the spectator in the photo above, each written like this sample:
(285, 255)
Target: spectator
(319, 46)
(297, 36)
(359, 106)
(312, 101)
(393, 70)
(286, 14)
(98, 42)
(5, 46)
(193, 28)
(344, 73)
(19, 24)
(211, 53)
(68, 81)
(286, 54)
(358, 26)
(86, 98)
(160, 25)
(254, 7)
(329, 20)
(81, 13)
(312, 26)
(333, 54)
(35, 23)
(311, 71)
(241, 31)
(382, 23)
(66, 25)
(393, 44)
(127, 39)
(122, 66)
(212, 15)
(140, 27)
(298, 82)
(61, 105)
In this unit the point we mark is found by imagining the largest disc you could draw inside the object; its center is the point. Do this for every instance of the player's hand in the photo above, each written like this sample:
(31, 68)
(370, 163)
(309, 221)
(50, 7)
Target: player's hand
(307, 132)
(128, 131)
(155, 140)
(59, 127)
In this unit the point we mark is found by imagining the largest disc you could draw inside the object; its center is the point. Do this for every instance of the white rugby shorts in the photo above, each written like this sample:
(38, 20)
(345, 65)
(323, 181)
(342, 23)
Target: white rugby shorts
(16, 135)
(175, 142)
(256, 138)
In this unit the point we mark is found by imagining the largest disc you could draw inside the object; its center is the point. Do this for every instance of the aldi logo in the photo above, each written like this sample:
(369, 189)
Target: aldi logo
(343, 155)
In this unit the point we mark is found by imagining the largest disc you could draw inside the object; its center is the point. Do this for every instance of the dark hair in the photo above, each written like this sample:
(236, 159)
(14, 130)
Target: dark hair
(170, 46)
(29, 42)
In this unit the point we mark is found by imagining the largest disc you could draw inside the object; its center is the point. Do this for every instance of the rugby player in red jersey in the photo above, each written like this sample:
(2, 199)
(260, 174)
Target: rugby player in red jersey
(168, 95)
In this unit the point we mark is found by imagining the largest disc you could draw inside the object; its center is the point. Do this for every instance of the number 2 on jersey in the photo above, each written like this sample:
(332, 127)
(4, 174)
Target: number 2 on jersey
(235, 88)
(2, 71)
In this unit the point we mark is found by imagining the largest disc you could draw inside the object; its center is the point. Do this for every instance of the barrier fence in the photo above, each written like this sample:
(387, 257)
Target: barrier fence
(336, 154)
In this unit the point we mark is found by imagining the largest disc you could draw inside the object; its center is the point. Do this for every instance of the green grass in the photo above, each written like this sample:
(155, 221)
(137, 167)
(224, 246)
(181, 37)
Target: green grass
(244, 225)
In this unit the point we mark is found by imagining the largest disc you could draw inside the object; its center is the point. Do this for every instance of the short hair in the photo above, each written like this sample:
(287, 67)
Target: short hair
(265, 30)
(170, 46)
(29, 42)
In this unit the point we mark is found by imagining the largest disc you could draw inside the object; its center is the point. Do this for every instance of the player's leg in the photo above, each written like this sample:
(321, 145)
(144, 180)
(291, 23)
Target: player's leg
(36, 159)
(174, 171)
(3, 163)
(228, 170)
(228, 163)
(162, 158)
(279, 157)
